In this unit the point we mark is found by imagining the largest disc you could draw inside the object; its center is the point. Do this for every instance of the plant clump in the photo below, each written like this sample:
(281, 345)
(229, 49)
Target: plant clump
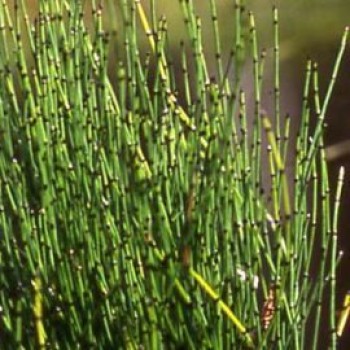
(132, 218)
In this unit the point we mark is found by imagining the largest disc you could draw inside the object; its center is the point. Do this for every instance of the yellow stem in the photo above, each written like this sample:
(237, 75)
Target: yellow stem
(38, 313)
(223, 306)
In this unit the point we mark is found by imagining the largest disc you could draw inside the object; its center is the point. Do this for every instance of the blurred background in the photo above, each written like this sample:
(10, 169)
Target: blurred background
(308, 28)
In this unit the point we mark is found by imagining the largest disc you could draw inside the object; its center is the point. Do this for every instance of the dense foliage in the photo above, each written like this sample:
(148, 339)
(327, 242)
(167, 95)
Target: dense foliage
(133, 209)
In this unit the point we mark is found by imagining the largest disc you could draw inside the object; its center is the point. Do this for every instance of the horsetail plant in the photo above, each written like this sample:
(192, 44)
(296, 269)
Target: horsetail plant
(134, 213)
